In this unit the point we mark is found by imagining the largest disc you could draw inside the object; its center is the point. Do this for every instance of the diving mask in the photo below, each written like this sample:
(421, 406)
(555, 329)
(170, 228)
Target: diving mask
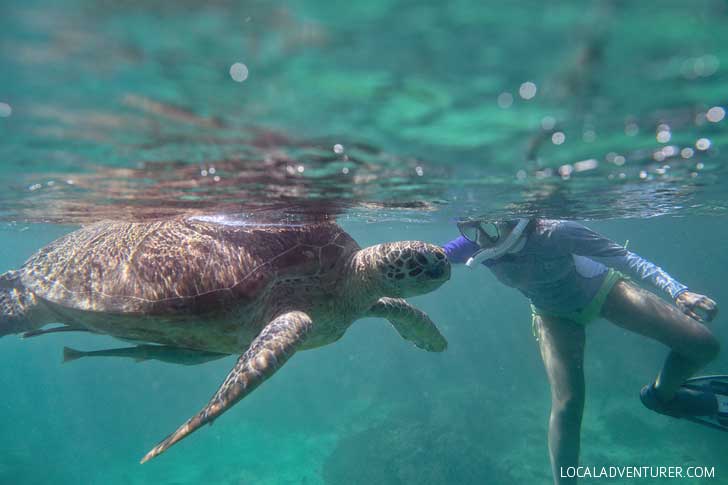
(479, 232)
(488, 234)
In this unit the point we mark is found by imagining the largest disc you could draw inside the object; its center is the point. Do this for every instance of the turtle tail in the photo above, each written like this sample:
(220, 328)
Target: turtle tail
(15, 304)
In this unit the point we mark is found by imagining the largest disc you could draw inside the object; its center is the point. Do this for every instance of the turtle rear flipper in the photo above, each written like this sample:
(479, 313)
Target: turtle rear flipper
(15, 305)
(144, 352)
(46, 331)
(275, 344)
(411, 323)
(70, 354)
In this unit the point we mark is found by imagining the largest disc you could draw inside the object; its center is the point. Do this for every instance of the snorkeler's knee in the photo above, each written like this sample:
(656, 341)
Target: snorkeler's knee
(569, 409)
(568, 401)
(704, 348)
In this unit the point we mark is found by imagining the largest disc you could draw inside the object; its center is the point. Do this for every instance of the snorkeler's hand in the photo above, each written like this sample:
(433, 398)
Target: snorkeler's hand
(697, 306)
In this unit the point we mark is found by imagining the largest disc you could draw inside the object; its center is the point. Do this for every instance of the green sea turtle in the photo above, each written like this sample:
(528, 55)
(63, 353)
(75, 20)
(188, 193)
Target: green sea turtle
(222, 285)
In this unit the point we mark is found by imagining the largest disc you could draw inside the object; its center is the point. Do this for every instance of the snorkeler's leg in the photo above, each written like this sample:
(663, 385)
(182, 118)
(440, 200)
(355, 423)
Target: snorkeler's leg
(692, 344)
(562, 349)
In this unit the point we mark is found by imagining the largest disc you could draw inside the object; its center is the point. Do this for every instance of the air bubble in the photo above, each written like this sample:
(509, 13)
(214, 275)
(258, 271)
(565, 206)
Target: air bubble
(702, 144)
(239, 72)
(715, 114)
(527, 90)
(505, 100)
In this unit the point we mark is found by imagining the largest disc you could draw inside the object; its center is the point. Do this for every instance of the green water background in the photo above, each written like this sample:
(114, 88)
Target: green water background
(415, 79)
(371, 408)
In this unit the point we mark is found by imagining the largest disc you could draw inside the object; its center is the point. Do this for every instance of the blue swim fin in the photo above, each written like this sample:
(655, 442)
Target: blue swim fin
(718, 385)
(702, 400)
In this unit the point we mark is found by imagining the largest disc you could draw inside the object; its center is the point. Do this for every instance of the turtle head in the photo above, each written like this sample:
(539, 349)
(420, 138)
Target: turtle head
(405, 268)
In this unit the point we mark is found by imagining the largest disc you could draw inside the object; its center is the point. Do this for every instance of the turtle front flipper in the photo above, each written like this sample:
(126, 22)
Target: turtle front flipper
(412, 324)
(275, 344)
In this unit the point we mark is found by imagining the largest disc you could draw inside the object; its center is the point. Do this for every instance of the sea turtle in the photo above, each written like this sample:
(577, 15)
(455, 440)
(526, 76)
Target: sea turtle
(222, 285)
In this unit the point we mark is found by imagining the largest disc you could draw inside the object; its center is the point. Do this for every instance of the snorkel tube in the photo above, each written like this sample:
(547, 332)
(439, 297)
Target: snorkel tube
(502, 248)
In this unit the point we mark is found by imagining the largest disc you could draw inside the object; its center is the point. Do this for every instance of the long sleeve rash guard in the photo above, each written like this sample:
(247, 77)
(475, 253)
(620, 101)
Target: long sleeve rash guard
(563, 264)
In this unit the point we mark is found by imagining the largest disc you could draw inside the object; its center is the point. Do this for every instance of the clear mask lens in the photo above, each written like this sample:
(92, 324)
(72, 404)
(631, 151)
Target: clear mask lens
(477, 231)
(490, 231)
(469, 232)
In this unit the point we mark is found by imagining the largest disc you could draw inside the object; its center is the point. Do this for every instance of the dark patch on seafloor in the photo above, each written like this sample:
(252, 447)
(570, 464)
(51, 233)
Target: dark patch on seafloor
(403, 452)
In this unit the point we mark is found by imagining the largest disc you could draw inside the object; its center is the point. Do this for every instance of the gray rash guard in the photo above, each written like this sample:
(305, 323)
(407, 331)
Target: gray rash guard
(563, 264)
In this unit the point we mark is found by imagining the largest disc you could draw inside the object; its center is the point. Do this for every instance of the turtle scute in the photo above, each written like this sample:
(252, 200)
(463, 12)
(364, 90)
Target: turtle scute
(178, 264)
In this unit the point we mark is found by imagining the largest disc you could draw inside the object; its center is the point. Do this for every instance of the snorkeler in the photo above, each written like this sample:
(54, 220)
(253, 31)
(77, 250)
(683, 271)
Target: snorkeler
(572, 275)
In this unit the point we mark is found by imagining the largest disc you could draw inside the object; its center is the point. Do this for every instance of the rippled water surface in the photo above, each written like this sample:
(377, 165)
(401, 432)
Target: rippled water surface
(465, 107)
(392, 117)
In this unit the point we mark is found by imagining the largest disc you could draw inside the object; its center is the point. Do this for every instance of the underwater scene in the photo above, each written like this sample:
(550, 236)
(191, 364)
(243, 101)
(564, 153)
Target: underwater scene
(197, 197)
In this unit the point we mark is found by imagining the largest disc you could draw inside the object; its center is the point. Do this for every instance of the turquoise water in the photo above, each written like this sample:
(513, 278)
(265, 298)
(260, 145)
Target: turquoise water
(129, 110)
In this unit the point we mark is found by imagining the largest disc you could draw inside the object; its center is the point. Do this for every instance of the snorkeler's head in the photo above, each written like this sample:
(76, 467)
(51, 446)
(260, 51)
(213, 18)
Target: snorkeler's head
(495, 238)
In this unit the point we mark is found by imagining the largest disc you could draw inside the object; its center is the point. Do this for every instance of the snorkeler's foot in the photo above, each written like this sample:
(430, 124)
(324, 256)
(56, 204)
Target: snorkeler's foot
(684, 404)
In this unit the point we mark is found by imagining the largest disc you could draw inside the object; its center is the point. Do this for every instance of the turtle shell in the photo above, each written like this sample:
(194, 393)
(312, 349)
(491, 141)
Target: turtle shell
(182, 265)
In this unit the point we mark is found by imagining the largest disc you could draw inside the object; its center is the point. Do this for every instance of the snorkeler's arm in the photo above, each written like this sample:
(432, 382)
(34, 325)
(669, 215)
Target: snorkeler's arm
(582, 241)
(460, 249)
